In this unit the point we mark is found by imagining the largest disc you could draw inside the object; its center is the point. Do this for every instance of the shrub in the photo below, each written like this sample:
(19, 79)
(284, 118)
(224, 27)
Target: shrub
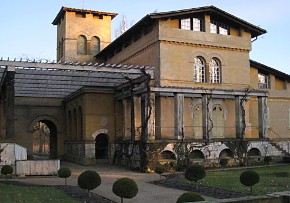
(195, 173)
(268, 159)
(64, 173)
(6, 170)
(89, 180)
(190, 197)
(249, 178)
(160, 170)
(224, 162)
(125, 188)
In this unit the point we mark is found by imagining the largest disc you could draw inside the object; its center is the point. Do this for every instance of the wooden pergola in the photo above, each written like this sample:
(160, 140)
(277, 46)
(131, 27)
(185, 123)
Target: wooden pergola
(58, 80)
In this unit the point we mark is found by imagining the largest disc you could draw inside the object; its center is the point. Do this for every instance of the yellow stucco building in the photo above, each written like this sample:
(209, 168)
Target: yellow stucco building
(177, 86)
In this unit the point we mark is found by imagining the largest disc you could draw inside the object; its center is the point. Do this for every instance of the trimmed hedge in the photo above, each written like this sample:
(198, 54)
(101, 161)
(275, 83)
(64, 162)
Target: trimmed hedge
(64, 173)
(125, 188)
(89, 180)
(249, 178)
(6, 170)
(190, 197)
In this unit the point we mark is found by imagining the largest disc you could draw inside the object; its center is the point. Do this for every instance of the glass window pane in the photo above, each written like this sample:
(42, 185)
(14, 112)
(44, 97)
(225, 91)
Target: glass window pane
(214, 71)
(185, 24)
(199, 70)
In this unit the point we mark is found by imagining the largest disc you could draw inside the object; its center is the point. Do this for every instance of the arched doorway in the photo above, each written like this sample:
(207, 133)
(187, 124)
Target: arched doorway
(45, 139)
(101, 146)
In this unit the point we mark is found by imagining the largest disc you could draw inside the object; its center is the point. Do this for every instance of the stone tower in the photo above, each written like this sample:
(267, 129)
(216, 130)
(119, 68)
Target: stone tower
(81, 34)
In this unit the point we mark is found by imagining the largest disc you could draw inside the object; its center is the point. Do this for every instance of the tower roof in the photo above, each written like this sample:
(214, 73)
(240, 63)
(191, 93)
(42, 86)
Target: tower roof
(63, 10)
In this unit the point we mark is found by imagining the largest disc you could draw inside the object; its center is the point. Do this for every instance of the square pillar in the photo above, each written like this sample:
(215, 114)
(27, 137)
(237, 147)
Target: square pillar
(263, 117)
(10, 100)
(239, 115)
(178, 116)
(126, 118)
(206, 116)
(148, 116)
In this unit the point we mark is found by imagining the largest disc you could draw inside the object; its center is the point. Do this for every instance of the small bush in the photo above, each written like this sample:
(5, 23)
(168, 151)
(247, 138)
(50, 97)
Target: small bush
(160, 170)
(224, 162)
(89, 180)
(195, 173)
(268, 159)
(190, 197)
(6, 170)
(249, 178)
(125, 188)
(64, 173)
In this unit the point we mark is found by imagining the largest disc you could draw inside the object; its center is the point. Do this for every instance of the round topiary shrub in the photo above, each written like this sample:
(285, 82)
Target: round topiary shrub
(249, 178)
(6, 170)
(190, 197)
(268, 159)
(160, 170)
(224, 162)
(64, 173)
(89, 180)
(195, 173)
(125, 188)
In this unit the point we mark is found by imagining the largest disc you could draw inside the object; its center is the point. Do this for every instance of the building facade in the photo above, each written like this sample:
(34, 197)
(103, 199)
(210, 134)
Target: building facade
(188, 92)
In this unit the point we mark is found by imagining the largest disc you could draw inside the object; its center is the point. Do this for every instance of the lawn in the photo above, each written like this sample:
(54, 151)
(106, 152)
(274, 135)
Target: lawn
(272, 179)
(21, 194)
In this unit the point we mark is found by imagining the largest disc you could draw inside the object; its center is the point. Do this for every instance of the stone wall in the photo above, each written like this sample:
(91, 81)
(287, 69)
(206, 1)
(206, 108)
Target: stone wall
(80, 152)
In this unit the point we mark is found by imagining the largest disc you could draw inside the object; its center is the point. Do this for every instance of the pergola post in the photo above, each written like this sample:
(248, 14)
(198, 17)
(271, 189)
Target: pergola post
(263, 117)
(178, 115)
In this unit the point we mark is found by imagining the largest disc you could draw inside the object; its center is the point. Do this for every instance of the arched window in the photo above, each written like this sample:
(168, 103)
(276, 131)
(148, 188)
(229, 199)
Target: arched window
(69, 130)
(82, 45)
(80, 124)
(95, 45)
(214, 71)
(199, 70)
(74, 125)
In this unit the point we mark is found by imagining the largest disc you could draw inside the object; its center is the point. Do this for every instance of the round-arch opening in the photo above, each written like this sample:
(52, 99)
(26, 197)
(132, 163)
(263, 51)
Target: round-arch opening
(167, 155)
(44, 140)
(196, 154)
(101, 146)
(254, 152)
(226, 153)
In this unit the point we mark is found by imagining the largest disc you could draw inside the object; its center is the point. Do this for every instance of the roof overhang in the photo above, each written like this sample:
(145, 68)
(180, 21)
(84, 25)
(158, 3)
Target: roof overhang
(63, 10)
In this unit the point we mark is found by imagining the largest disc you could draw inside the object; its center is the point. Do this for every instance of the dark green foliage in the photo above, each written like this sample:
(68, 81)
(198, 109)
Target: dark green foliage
(268, 159)
(89, 180)
(125, 188)
(64, 173)
(249, 178)
(190, 197)
(224, 162)
(195, 173)
(6, 170)
(160, 170)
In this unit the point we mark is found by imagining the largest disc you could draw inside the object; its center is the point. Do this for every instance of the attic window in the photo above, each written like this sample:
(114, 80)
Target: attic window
(219, 28)
(80, 15)
(263, 81)
(194, 24)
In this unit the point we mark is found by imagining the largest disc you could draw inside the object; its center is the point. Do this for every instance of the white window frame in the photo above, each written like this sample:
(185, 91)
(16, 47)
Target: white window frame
(263, 81)
(199, 70)
(214, 71)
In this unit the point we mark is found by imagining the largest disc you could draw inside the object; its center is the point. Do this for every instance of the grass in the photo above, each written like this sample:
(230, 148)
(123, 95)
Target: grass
(21, 194)
(272, 179)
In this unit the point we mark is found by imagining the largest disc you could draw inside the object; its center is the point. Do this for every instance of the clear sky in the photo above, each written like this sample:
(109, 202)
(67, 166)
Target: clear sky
(26, 29)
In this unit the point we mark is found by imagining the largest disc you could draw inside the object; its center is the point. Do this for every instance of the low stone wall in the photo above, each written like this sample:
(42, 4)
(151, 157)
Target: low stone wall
(80, 152)
(37, 167)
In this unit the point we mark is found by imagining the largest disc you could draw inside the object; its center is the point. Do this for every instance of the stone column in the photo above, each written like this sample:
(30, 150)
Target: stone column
(178, 116)
(240, 125)
(206, 115)
(126, 118)
(10, 94)
(148, 116)
(263, 117)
